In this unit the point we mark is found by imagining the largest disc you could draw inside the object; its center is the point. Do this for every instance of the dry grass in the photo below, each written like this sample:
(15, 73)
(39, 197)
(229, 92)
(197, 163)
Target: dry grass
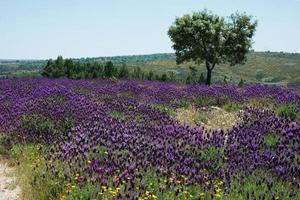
(219, 118)
(190, 116)
(210, 118)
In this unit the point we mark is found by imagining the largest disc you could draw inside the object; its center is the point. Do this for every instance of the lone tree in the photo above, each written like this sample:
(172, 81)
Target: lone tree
(207, 38)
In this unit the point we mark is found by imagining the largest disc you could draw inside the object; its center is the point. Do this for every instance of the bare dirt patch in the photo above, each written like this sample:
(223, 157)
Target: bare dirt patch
(9, 190)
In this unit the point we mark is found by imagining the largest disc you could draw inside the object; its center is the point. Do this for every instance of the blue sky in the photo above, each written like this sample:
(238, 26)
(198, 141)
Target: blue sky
(88, 28)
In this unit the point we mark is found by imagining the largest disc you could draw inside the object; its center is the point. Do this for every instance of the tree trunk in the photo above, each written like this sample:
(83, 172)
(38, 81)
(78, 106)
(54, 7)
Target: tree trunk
(208, 77)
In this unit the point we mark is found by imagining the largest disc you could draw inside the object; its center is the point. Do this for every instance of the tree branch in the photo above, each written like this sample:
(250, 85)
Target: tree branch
(213, 66)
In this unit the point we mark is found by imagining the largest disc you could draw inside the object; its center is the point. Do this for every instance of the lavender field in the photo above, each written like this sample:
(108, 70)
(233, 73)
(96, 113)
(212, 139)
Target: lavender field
(105, 139)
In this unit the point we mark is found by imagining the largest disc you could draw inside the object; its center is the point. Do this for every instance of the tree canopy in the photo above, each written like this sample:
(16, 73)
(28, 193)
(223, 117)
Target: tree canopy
(207, 38)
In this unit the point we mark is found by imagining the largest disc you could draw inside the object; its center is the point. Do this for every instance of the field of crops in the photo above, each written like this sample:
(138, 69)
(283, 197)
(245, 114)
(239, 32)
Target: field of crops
(104, 139)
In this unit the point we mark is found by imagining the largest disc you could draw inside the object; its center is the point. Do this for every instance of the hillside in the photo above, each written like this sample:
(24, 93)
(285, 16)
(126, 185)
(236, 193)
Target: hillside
(261, 67)
(266, 67)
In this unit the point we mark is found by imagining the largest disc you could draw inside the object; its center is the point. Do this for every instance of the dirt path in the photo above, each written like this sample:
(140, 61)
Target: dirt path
(8, 188)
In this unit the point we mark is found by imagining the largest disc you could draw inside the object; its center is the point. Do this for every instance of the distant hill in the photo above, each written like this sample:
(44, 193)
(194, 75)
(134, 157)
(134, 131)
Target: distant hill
(266, 67)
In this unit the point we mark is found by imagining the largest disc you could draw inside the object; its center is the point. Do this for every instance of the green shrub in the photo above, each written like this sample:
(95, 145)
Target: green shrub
(288, 111)
(206, 101)
(117, 115)
(200, 118)
(184, 103)
(213, 155)
(241, 83)
(271, 140)
(165, 109)
(230, 107)
(107, 98)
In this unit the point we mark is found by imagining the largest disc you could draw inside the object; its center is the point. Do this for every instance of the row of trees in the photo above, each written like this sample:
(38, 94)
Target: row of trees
(76, 70)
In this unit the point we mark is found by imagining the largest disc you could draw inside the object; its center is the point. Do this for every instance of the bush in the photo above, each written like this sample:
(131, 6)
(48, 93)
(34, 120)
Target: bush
(271, 139)
(241, 83)
(232, 106)
(288, 111)
(206, 101)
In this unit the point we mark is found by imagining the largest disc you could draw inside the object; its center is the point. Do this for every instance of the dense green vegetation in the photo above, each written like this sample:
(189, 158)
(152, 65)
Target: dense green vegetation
(76, 70)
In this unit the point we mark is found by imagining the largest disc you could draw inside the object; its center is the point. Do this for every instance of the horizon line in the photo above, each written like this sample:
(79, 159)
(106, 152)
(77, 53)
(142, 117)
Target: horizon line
(124, 55)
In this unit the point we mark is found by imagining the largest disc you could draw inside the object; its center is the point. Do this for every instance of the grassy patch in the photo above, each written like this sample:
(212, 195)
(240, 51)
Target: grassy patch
(219, 118)
(31, 172)
(213, 155)
(106, 98)
(271, 139)
(232, 107)
(165, 109)
(288, 111)
(11, 186)
(260, 103)
(259, 185)
(206, 101)
(190, 116)
(183, 103)
(117, 115)
(126, 94)
(56, 99)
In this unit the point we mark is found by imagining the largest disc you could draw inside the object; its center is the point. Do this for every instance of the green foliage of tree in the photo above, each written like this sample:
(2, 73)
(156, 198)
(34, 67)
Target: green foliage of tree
(109, 70)
(241, 83)
(193, 74)
(207, 38)
(201, 78)
(164, 77)
(150, 75)
(69, 67)
(48, 70)
(124, 72)
(188, 80)
(137, 73)
(171, 76)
